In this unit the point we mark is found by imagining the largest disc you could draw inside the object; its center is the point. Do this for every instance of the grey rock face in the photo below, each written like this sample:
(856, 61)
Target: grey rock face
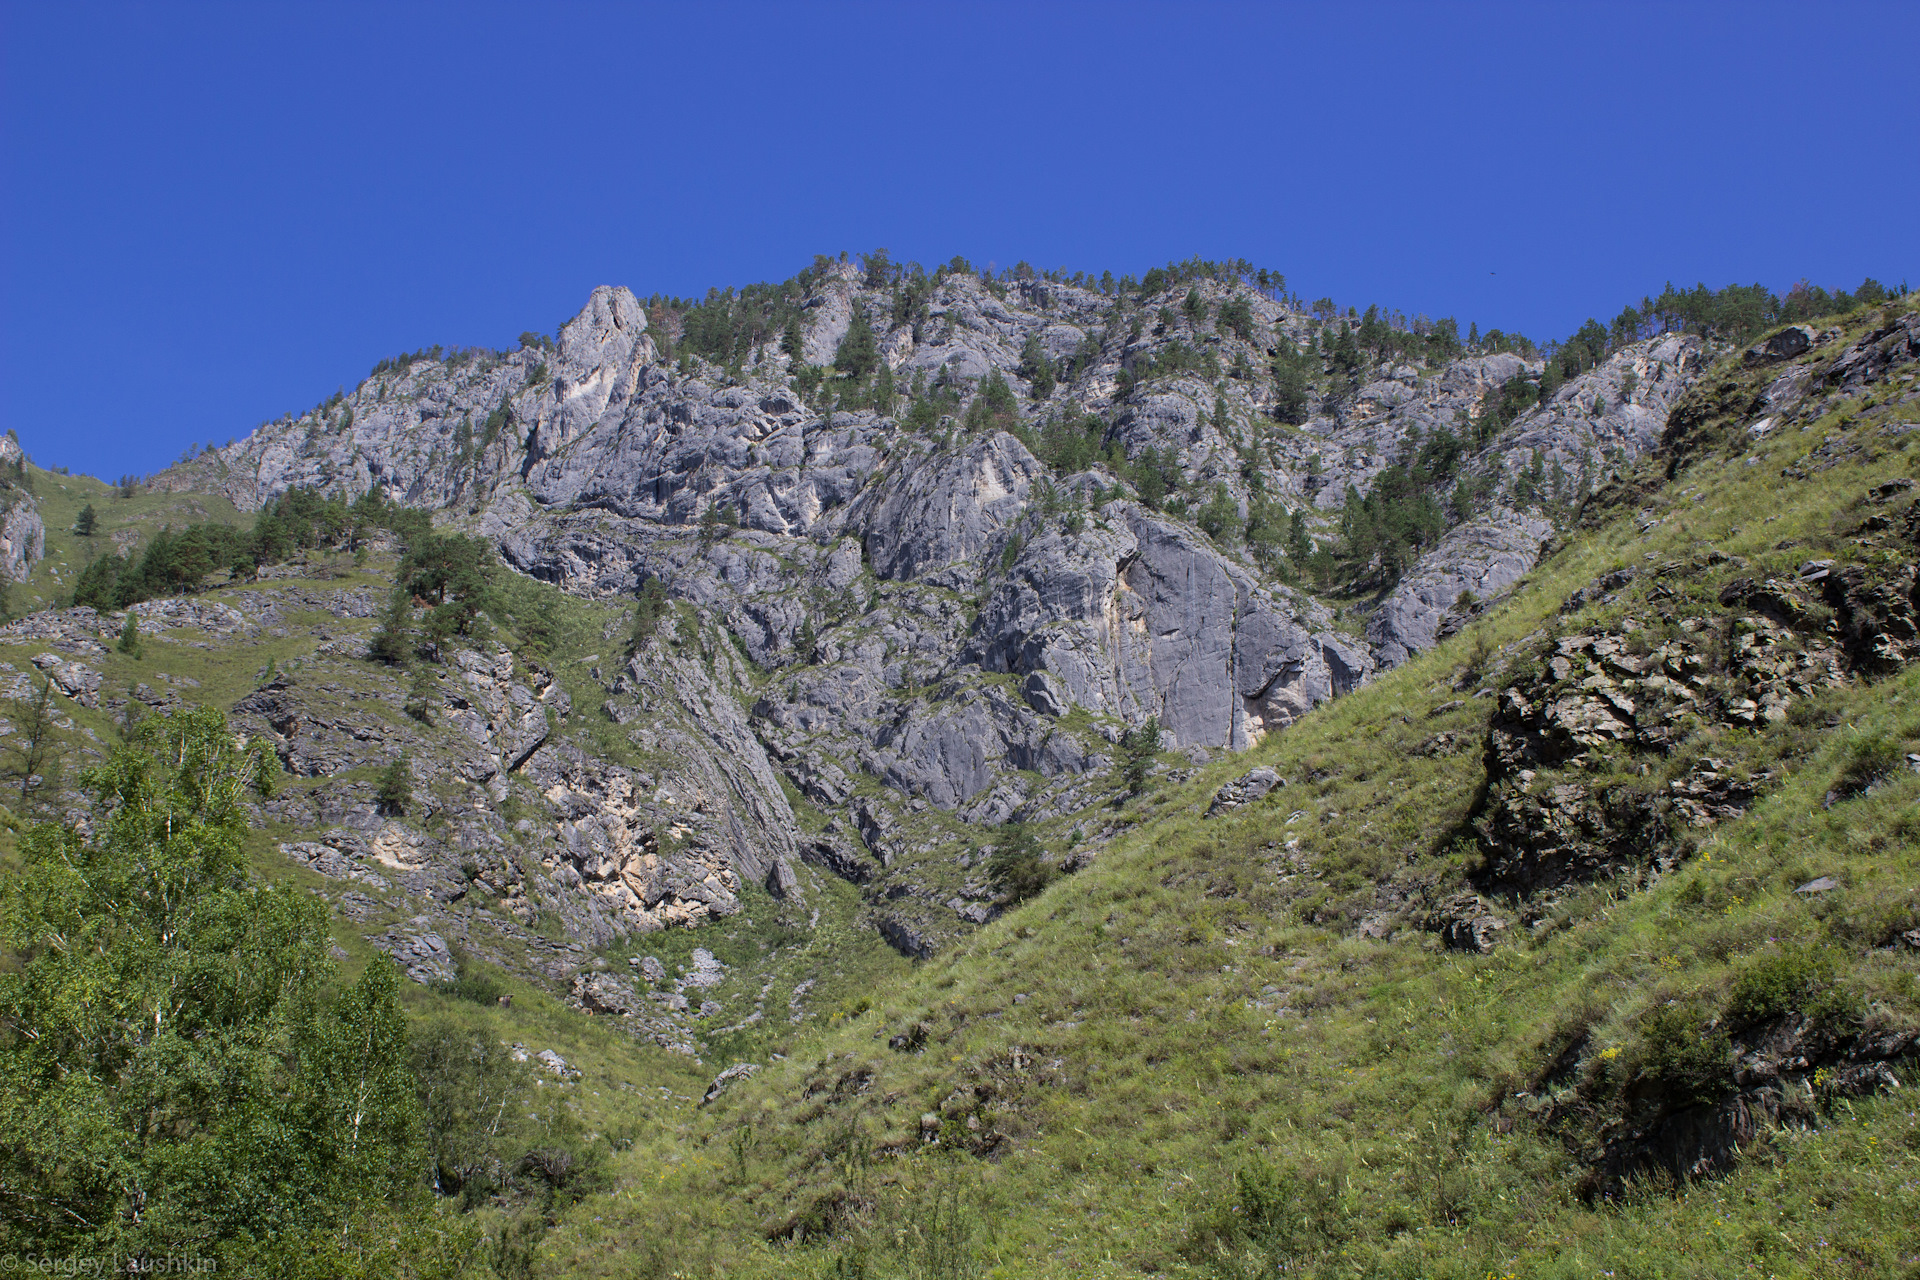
(422, 953)
(1473, 564)
(1244, 790)
(890, 571)
(1140, 617)
(938, 520)
(23, 540)
(1614, 413)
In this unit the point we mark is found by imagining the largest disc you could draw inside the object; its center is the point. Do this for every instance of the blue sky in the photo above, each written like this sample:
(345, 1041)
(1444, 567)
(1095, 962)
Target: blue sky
(212, 214)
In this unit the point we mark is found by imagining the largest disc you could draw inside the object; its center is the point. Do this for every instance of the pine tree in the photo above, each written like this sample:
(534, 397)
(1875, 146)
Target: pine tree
(129, 643)
(647, 613)
(84, 526)
(391, 642)
(1137, 750)
(395, 791)
(1036, 368)
(32, 743)
(859, 351)
(1017, 867)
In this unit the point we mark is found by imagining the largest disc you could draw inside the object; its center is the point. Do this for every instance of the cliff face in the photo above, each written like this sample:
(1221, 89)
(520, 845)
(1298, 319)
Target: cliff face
(23, 536)
(928, 602)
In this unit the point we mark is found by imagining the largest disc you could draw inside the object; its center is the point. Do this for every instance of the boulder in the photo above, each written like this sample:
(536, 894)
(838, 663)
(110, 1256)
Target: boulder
(1244, 790)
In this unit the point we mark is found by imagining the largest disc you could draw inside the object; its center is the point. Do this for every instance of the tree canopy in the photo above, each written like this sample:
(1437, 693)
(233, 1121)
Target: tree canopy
(175, 1077)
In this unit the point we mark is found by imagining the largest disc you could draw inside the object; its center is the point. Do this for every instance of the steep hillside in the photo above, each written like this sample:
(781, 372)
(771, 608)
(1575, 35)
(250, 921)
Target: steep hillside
(1585, 942)
(961, 536)
(1023, 776)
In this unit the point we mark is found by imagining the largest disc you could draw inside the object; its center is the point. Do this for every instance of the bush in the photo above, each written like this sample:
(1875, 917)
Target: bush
(1017, 867)
(1681, 1060)
(648, 610)
(1137, 750)
(1777, 982)
(1868, 760)
(395, 791)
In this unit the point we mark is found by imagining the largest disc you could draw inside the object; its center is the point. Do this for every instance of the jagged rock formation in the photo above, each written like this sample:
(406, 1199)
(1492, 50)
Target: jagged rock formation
(23, 536)
(936, 609)
(1609, 416)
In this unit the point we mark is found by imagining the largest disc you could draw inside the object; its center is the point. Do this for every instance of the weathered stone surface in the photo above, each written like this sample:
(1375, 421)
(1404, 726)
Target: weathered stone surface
(419, 951)
(738, 1071)
(1611, 414)
(1244, 790)
(1794, 340)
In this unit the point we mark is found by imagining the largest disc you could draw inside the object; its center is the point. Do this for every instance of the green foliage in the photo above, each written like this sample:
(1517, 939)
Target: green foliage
(1868, 760)
(1067, 444)
(474, 1098)
(402, 363)
(422, 696)
(84, 526)
(1018, 868)
(1036, 368)
(1268, 524)
(1219, 519)
(1275, 1219)
(299, 521)
(1516, 395)
(392, 642)
(173, 1077)
(1138, 747)
(1685, 1062)
(729, 324)
(395, 789)
(1156, 476)
(859, 352)
(129, 642)
(649, 608)
(1384, 532)
(449, 568)
(718, 520)
(1779, 981)
(1236, 317)
(1176, 359)
(1291, 385)
(32, 751)
(993, 407)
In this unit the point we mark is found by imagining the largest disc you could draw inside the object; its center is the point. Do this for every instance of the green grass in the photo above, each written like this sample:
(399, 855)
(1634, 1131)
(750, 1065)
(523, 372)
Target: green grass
(1185, 1060)
(1110, 1033)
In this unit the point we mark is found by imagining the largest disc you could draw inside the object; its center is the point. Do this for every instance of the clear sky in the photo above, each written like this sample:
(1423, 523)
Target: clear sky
(211, 214)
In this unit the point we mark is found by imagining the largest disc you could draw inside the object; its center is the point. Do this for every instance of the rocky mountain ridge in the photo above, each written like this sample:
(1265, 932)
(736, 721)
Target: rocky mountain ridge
(933, 605)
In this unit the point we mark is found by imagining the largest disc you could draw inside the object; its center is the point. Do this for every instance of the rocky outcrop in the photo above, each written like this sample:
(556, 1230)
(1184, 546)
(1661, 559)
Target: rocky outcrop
(1244, 790)
(1606, 417)
(23, 536)
(1139, 617)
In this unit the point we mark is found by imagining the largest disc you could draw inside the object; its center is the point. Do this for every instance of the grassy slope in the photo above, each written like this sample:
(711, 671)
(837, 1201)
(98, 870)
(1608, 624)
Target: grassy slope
(1140, 1071)
(1109, 1029)
(629, 1088)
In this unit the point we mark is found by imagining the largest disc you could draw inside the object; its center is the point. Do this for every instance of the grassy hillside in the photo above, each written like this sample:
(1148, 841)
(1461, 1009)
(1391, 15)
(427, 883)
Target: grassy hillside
(1191, 1058)
(1261, 1043)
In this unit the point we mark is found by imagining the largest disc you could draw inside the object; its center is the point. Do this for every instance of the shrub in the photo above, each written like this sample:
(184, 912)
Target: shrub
(1137, 750)
(1779, 982)
(648, 610)
(1017, 867)
(1868, 760)
(395, 791)
(1681, 1060)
